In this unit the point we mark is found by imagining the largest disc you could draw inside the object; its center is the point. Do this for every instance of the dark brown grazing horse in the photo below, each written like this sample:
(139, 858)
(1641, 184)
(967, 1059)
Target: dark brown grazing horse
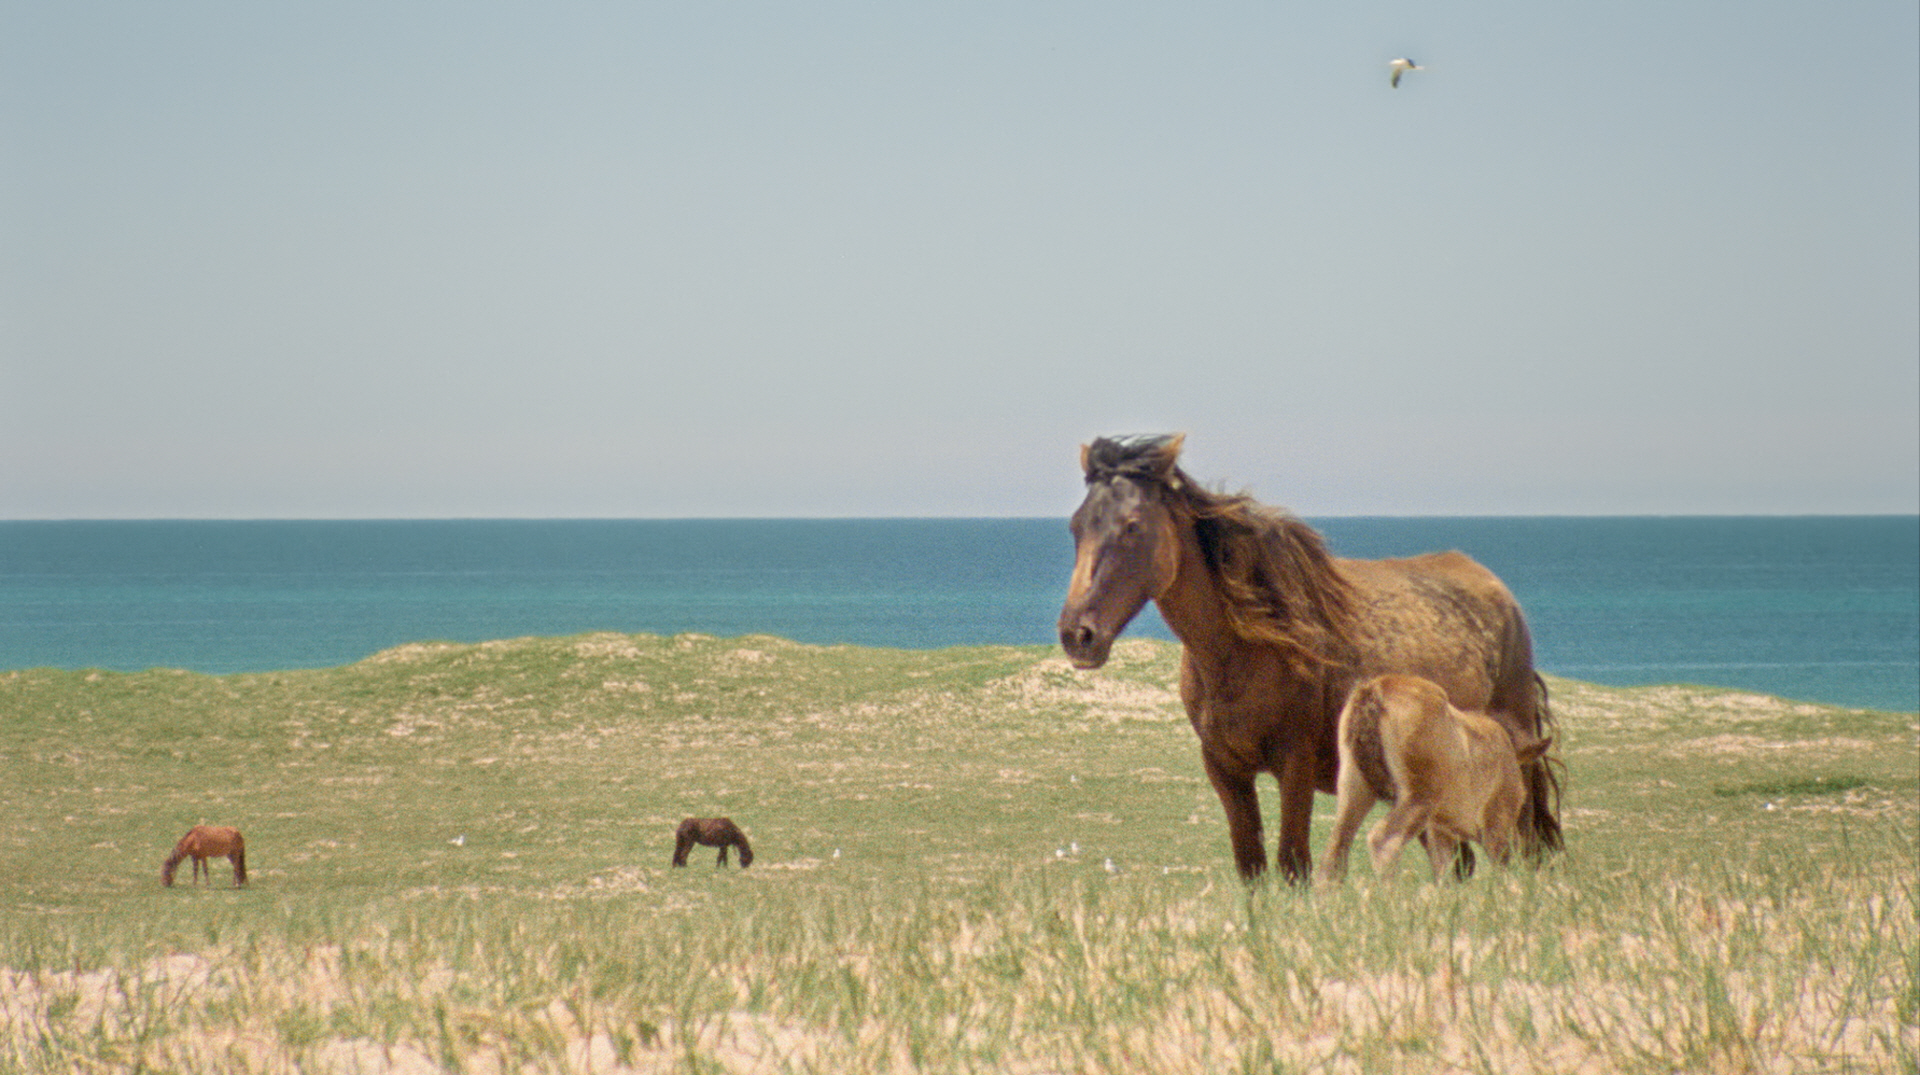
(203, 842)
(717, 832)
(1275, 632)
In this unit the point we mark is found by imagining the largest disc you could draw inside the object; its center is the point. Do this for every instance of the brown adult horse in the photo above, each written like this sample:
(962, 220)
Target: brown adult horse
(203, 842)
(1275, 632)
(717, 832)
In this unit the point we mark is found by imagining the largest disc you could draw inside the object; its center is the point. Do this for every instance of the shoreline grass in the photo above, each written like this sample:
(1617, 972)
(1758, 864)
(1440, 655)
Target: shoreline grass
(967, 922)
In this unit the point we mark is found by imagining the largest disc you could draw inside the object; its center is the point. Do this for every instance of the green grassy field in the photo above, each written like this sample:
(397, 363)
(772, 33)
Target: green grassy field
(459, 861)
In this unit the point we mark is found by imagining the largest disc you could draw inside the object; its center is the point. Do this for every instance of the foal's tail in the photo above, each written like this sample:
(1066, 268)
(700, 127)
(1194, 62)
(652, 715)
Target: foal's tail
(239, 863)
(1540, 823)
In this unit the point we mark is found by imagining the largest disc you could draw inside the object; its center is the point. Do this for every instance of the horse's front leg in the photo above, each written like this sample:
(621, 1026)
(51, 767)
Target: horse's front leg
(1241, 802)
(1295, 856)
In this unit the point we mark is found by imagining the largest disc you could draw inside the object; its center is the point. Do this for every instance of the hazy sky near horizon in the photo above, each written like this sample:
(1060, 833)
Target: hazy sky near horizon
(882, 259)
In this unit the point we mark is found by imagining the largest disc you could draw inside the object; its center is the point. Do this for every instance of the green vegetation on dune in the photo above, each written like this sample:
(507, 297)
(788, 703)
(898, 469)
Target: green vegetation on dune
(459, 853)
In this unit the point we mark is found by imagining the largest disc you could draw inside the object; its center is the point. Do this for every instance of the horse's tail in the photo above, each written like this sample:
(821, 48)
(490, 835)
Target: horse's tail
(239, 862)
(1540, 822)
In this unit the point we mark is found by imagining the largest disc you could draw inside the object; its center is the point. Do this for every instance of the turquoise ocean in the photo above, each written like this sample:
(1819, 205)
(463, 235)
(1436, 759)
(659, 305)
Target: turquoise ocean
(1811, 608)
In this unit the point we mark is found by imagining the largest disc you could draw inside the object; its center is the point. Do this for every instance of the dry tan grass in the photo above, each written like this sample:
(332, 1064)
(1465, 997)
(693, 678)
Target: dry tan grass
(1671, 996)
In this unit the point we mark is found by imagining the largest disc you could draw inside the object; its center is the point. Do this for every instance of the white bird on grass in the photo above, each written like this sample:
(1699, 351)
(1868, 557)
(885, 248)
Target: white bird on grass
(1401, 66)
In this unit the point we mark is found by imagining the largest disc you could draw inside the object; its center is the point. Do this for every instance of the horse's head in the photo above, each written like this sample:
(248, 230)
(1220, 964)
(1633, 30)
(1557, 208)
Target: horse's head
(1126, 545)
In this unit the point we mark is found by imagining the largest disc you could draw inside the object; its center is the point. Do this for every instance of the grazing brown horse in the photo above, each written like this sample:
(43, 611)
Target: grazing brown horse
(717, 832)
(1451, 775)
(1275, 632)
(203, 842)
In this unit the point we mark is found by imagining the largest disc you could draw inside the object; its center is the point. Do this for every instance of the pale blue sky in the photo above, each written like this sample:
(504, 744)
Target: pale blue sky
(770, 259)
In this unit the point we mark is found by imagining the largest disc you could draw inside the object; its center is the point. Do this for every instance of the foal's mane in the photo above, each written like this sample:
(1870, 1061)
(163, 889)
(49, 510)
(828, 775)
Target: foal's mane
(1274, 570)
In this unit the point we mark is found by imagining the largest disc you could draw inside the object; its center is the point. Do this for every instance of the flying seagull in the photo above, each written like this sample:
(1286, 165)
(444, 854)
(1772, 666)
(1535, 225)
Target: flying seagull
(1400, 67)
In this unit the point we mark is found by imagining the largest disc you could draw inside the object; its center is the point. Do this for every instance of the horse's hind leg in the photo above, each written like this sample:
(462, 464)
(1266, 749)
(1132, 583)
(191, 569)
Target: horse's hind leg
(1405, 821)
(1462, 863)
(1356, 799)
(1294, 856)
(1442, 852)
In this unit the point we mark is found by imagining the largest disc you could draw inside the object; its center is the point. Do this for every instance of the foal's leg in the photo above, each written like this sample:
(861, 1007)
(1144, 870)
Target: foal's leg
(1441, 851)
(1462, 863)
(722, 860)
(1406, 820)
(1356, 799)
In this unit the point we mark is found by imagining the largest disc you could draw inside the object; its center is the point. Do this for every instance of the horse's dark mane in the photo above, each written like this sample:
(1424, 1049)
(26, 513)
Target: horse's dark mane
(1137, 457)
(1275, 571)
(1279, 581)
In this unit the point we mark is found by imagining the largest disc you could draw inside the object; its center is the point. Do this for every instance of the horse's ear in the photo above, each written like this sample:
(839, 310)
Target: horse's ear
(1166, 455)
(1531, 749)
(1086, 460)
